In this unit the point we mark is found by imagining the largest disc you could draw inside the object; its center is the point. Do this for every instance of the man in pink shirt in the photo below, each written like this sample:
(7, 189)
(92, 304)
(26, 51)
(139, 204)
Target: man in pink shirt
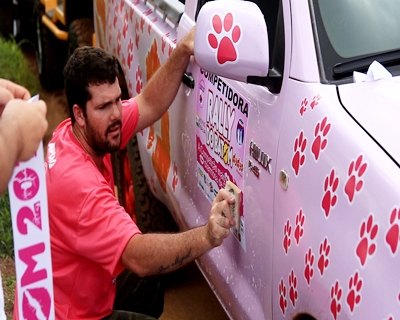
(93, 239)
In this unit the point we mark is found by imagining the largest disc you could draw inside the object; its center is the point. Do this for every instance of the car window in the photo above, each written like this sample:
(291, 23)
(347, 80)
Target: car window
(350, 35)
(356, 28)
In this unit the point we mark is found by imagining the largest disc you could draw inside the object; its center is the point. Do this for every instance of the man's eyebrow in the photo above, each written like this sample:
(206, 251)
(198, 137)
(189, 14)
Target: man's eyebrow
(108, 102)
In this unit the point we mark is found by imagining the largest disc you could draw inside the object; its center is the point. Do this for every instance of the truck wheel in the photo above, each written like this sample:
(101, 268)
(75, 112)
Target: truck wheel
(51, 54)
(80, 34)
(151, 214)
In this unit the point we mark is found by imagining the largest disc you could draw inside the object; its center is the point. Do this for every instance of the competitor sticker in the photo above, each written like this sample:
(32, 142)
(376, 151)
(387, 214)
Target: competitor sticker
(221, 122)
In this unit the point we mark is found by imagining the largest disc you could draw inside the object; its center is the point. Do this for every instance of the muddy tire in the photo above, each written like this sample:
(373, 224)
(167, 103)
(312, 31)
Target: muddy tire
(51, 54)
(80, 34)
(151, 214)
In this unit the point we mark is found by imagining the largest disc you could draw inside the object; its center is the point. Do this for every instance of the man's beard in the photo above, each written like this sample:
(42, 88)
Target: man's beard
(100, 143)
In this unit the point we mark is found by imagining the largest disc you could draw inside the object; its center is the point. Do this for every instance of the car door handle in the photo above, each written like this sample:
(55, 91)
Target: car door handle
(188, 80)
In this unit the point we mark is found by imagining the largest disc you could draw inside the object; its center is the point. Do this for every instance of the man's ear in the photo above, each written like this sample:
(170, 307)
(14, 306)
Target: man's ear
(78, 114)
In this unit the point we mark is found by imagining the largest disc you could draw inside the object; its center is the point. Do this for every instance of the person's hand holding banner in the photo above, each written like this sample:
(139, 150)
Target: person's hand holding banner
(29, 211)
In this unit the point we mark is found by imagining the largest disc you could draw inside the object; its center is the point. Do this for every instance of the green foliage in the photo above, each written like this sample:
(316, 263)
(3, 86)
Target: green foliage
(6, 239)
(14, 66)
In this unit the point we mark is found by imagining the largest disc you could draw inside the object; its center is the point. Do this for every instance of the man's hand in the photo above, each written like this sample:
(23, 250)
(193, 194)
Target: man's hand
(221, 219)
(10, 90)
(29, 122)
(187, 42)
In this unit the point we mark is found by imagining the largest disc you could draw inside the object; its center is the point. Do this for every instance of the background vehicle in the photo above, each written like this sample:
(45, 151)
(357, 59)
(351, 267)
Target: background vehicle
(61, 26)
(314, 152)
(16, 19)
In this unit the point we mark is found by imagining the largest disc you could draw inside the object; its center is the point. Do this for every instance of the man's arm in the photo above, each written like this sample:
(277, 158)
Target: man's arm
(147, 254)
(160, 91)
(22, 127)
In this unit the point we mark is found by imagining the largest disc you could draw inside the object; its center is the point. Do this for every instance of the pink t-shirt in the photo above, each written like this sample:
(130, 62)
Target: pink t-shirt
(89, 228)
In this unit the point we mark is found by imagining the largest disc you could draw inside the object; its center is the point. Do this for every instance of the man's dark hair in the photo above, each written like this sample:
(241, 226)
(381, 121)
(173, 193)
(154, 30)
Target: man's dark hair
(87, 66)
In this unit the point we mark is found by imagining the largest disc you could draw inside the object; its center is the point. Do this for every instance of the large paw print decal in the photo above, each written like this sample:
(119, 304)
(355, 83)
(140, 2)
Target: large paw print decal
(354, 184)
(224, 37)
(299, 147)
(330, 187)
(282, 296)
(323, 260)
(393, 234)
(368, 233)
(320, 132)
(336, 295)
(287, 230)
(354, 297)
(293, 288)
(309, 269)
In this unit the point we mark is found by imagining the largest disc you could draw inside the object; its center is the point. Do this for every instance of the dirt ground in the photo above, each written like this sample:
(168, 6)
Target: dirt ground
(8, 276)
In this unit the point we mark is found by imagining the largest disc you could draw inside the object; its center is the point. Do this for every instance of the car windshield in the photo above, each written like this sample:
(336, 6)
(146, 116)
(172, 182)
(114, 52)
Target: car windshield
(350, 31)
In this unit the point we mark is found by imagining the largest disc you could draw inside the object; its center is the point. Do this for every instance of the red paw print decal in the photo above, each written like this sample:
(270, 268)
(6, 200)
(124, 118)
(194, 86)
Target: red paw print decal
(393, 234)
(282, 296)
(115, 21)
(119, 45)
(315, 101)
(139, 81)
(320, 132)
(330, 187)
(175, 178)
(303, 106)
(224, 37)
(354, 296)
(299, 231)
(309, 269)
(299, 147)
(287, 230)
(354, 184)
(366, 247)
(129, 59)
(126, 26)
(137, 34)
(293, 288)
(323, 260)
(336, 295)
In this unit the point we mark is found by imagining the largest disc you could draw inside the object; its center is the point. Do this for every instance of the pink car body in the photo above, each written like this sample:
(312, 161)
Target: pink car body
(316, 156)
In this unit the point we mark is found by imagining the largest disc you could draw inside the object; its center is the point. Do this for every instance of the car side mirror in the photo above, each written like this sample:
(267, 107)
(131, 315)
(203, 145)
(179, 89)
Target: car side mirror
(232, 40)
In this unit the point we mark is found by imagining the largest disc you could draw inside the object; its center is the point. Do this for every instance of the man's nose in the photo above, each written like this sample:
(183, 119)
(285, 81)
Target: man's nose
(116, 111)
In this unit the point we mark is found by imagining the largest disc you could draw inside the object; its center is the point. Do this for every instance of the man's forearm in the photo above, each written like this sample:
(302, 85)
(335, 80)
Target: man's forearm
(149, 254)
(167, 79)
(161, 90)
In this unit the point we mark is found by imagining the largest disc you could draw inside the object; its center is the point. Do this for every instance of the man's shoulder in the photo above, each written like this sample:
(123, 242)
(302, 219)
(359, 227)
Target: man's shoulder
(66, 160)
